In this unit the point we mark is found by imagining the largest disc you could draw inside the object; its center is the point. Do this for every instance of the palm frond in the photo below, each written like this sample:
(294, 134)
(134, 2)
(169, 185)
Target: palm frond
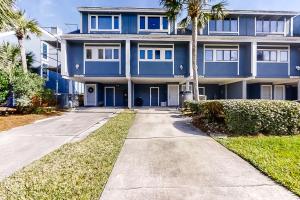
(218, 10)
(174, 7)
(203, 19)
(6, 14)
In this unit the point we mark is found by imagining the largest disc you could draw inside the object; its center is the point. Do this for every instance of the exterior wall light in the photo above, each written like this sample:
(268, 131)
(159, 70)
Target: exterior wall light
(181, 67)
(77, 66)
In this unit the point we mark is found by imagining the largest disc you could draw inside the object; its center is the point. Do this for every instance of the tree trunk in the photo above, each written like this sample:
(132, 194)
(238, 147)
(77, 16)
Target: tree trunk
(194, 57)
(23, 54)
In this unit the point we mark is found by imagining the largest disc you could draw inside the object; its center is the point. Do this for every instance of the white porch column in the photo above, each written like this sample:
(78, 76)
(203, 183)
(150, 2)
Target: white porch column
(129, 94)
(292, 26)
(64, 64)
(244, 89)
(127, 47)
(190, 59)
(254, 59)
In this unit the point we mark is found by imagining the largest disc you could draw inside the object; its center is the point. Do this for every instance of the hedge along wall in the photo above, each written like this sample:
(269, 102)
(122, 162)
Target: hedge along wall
(252, 116)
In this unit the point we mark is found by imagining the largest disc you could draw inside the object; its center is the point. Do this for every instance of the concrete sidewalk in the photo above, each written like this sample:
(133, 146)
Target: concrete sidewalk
(165, 158)
(20, 146)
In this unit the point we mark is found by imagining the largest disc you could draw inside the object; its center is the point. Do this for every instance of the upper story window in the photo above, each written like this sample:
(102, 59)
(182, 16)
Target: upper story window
(105, 23)
(153, 23)
(270, 26)
(155, 54)
(224, 26)
(102, 53)
(45, 71)
(273, 55)
(44, 50)
(221, 55)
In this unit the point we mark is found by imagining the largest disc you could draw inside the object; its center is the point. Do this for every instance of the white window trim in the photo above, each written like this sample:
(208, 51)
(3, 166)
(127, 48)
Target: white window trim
(42, 53)
(235, 47)
(151, 95)
(283, 90)
(47, 79)
(271, 90)
(95, 48)
(85, 94)
(270, 33)
(226, 32)
(177, 91)
(203, 89)
(277, 51)
(112, 25)
(162, 53)
(153, 30)
(114, 94)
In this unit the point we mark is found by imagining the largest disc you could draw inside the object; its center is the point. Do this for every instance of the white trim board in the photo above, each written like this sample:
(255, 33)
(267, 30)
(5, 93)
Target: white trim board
(152, 47)
(95, 47)
(153, 30)
(157, 94)
(215, 47)
(97, 24)
(109, 87)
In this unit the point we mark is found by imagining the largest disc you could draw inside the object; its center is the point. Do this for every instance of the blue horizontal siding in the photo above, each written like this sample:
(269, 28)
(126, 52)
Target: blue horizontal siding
(221, 69)
(272, 70)
(156, 68)
(75, 56)
(110, 68)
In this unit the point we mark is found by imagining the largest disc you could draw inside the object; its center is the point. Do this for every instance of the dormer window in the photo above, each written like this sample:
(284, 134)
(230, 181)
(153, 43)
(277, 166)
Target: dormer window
(270, 26)
(104, 23)
(153, 23)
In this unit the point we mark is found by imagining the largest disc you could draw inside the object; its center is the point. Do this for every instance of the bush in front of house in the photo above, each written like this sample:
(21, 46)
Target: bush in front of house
(250, 117)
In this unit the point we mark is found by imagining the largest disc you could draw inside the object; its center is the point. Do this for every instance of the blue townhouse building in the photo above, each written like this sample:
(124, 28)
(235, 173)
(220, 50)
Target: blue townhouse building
(138, 57)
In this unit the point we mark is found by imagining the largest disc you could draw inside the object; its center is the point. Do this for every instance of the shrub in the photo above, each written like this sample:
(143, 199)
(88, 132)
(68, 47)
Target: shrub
(25, 87)
(252, 116)
(4, 86)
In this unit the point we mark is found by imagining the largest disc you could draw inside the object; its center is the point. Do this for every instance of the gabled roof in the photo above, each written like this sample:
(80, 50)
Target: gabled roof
(122, 9)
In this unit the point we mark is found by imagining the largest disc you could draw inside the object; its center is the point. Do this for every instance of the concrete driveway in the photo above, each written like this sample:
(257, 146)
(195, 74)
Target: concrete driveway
(165, 158)
(20, 146)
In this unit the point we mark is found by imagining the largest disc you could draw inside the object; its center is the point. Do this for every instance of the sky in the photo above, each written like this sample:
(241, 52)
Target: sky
(62, 12)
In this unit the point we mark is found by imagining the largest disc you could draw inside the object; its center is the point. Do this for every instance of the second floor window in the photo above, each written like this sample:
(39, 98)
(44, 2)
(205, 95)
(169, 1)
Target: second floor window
(270, 26)
(152, 23)
(221, 55)
(146, 54)
(272, 55)
(105, 23)
(102, 54)
(226, 25)
(45, 50)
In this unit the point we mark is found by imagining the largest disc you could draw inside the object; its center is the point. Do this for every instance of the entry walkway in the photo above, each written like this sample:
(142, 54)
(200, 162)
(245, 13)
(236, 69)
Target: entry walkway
(165, 158)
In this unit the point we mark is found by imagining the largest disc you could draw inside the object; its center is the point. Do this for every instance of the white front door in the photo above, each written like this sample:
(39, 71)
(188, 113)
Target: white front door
(90, 94)
(266, 92)
(279, 92)
(173, 95)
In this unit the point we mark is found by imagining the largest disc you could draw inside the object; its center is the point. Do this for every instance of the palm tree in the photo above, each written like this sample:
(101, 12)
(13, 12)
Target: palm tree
(9, 58)
(198, 16)
(23, 27)
(6, 13)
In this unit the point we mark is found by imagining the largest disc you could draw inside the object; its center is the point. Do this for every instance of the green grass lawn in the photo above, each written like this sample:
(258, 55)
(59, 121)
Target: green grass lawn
(74, 171)
(278, 157)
